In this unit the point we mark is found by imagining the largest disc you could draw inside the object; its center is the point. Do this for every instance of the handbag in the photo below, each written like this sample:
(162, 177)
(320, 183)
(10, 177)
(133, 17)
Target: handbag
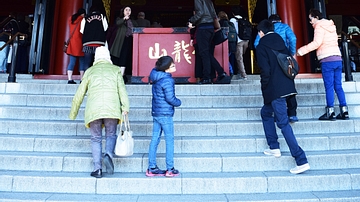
(124, 142)
(220, 36)
(66, 43)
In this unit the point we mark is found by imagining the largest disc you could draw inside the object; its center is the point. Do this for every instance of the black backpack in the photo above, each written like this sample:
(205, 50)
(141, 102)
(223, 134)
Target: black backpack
(245, 29)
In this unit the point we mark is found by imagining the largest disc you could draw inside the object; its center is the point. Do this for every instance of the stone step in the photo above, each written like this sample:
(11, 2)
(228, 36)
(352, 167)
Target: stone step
(188, 101)
(192, 89)
(181, 114)
(186, 183)
(182, 145)
(181, 128)
(314, 196)
(199, 162)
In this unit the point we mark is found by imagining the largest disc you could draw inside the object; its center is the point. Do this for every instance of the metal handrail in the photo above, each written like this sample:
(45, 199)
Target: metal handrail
(351, 40)
(12, 38)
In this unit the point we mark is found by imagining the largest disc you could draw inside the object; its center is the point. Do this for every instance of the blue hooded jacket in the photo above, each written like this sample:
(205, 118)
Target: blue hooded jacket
(163, 94)
(286, 34)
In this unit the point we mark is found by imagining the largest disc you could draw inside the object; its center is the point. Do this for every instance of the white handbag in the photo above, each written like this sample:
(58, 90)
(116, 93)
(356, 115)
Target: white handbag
(124, 142)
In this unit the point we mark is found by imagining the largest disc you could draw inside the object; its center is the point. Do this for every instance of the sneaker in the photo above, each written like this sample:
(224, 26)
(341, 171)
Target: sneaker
(273, 152)
(300, 169)
(109, 164)
(293, 119)
(172, 173)
(151, 172)
(71, 82)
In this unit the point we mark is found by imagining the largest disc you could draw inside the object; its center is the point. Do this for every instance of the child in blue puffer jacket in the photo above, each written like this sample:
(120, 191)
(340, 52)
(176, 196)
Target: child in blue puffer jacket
(163, 103)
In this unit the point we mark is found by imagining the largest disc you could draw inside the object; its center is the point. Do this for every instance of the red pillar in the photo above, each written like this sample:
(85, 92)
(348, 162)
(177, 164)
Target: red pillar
(293, 13)
(63, 10)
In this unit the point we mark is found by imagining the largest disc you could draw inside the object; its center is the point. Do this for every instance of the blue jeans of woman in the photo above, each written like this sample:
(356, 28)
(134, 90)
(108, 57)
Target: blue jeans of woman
(96, 139)
(332, 76)
(3, 57)
(278, 108)
(82, 66)
(160, 124)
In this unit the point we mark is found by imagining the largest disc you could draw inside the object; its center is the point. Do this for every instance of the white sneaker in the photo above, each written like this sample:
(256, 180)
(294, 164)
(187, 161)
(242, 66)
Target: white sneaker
(300, 169)
(273, 152)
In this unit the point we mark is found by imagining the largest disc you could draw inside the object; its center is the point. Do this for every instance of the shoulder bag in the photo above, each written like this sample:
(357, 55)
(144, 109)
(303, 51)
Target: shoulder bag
(66, 43)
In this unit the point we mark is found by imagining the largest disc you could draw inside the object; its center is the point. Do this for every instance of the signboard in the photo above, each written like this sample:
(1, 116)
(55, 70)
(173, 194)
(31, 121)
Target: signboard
(149, 44)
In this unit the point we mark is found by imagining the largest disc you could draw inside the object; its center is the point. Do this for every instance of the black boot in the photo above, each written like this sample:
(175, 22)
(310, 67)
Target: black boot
(329, 114)
(97, 173)
(344, 114)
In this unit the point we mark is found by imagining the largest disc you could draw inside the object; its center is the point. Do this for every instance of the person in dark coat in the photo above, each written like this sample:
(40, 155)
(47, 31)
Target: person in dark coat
(276, 87)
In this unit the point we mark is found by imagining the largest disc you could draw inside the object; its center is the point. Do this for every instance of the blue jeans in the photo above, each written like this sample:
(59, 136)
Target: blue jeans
(278, 108)
(332, 76)
(166, 124)
(3, 57)
(96, 139)
(82, 66)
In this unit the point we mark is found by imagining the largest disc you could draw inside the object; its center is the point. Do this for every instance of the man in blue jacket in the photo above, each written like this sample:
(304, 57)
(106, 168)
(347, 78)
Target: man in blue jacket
(289, 38)
(275, 88)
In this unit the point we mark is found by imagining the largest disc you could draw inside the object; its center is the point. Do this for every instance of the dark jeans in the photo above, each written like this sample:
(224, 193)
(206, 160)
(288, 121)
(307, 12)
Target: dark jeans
(291, 105)
(203, 40)
(278, 108)
(206, 54)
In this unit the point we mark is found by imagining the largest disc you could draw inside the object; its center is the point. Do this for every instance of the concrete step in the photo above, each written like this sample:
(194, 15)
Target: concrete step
(199, 162)
(182, 145)
(193, 89)
(181, 128)
(188, 101)
(315, 196)
(181, 114)
(186, 183)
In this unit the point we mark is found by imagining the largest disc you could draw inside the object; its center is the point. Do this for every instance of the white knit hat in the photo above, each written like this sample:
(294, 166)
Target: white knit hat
(102, 53)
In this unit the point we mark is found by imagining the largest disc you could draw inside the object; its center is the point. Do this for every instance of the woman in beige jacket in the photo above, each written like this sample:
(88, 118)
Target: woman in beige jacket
(325, 43)
(107, 100)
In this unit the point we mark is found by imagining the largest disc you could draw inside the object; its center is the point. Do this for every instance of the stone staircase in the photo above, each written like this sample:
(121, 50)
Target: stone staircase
(219, 141)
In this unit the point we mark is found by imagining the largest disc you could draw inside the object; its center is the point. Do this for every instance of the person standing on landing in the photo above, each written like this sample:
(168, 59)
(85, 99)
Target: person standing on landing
(107, 100)
(93, 27)
(75, 47)
(325, 43)
(241, 46)
(289, 38)
(275, 87)
(163, 103)
(120, 42)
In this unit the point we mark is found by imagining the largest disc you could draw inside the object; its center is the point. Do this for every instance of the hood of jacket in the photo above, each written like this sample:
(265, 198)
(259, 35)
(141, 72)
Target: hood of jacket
(156, 75)
(274, 41)
(327, 25)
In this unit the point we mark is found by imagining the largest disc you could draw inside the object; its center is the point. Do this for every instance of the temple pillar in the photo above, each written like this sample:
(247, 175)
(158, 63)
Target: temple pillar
(63, 10)
(293, 13)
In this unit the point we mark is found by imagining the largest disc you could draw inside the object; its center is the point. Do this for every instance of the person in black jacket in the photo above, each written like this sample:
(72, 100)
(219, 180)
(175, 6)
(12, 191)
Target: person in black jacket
(93, 27)
(276, 87)
(203, 20)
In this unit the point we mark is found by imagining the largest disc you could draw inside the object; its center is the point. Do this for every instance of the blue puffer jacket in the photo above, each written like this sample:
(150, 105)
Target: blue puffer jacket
(163, 94)
(286, 34)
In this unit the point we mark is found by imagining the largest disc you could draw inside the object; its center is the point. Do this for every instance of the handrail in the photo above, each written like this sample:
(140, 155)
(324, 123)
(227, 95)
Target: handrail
(5, 21)
(12, 38)
(351, 40)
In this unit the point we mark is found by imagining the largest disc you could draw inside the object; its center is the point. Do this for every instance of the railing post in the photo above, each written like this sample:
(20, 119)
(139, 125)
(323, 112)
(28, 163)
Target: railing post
(12, 76)
(346, 58)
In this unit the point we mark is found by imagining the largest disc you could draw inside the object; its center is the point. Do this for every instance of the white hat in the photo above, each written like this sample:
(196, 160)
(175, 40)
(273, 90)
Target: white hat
(102, 53)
